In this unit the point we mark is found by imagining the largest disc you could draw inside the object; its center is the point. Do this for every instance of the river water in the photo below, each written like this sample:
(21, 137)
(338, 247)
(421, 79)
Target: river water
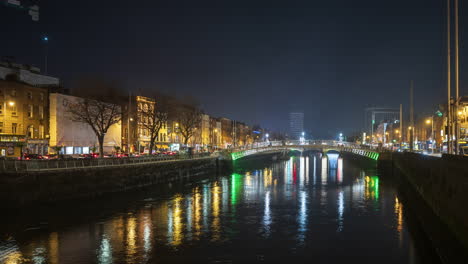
(308, 209)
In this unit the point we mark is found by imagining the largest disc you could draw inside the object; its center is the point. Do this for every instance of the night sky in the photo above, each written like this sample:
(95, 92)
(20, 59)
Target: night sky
(253, 61)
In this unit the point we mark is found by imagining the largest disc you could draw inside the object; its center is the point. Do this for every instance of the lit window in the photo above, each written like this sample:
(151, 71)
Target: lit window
(31, 131)
(13, 110)
(30, 111)
(41, 131)
(41, 112)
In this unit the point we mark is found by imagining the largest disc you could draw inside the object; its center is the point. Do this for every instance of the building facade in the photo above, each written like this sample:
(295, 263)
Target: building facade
(296, 125)
(77, 137)
(136, 137)
(23, 118)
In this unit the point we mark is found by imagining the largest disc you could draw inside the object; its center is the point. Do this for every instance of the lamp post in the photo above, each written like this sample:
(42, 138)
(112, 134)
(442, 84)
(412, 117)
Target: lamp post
(431, 121)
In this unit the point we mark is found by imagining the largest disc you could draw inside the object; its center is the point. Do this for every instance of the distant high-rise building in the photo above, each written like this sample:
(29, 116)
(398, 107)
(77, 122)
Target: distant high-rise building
(296, 124)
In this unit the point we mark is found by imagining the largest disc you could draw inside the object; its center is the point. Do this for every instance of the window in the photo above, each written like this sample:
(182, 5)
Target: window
(41, 112)
(30, 131)
(13, 92)
(29, 94)
(13, 110)
(1, 108)
(13, 128)
(41, 131)
(1, 127)
(139, 106)
(30, 111)
(145, 108)
(41, 96)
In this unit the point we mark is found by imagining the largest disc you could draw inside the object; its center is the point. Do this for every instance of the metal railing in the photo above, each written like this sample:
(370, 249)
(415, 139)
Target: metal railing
(331, 143)
(57, 164)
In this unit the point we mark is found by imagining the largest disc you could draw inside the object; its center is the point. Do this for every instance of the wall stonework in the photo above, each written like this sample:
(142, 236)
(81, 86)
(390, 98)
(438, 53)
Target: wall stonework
(66, 184)
(443, 184)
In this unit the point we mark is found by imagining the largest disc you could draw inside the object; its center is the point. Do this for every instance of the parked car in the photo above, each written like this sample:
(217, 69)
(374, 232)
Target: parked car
(28, 156)
(89, 156)
(50, 156)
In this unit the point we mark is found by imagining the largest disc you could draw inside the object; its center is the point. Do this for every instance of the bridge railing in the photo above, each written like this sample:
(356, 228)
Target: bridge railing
(266, 144)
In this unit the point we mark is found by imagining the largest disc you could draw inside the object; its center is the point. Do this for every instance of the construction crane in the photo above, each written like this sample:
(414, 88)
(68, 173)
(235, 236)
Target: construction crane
(30, 6)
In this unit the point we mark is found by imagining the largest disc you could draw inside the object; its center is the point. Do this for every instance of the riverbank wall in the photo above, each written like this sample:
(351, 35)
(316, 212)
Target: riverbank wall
(19, 189)
(442, 183)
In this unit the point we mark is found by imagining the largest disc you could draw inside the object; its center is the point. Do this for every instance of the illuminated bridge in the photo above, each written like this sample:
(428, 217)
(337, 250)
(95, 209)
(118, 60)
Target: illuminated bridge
(323, 146)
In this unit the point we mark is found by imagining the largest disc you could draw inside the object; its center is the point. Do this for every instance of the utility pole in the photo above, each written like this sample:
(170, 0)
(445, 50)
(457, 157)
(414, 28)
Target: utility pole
(449, 112)
(401, 125)
(411, 117)
(128, 120)
(457, 80)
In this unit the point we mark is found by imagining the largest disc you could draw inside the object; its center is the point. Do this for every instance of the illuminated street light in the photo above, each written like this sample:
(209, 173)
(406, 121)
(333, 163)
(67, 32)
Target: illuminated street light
(11, 103)
(428, 121)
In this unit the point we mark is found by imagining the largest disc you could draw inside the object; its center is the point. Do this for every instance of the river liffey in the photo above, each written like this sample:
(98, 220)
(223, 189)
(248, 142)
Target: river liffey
(309, 209)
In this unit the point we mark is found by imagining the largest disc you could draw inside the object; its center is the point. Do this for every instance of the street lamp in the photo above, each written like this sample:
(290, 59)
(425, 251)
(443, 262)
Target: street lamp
(431, 121)
(11, 103)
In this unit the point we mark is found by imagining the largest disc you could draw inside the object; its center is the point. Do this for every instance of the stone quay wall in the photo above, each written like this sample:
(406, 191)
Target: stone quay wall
(443, 185)
(55, 185)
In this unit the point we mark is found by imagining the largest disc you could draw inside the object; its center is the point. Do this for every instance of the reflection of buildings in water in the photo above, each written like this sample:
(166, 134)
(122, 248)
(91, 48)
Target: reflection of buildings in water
(315, 171)
(288, 178)
(206, 205)
(357, 189)
(324, 174)
(333, 166)
(225, 195)
(53, 248)
(130, 241)
(147, 233)
(294, 172)
(236, 185)
(105, 251)
(189, 214)
(339, 172)
(267, 178)
(371, 188)
(302, 168)
(197, 212)
(288, 172)
(307, 161)
(302, 216)
(399, 219)
(216, 226)
(175, 224)
(267, 214)
(340, 210)
(11, 254)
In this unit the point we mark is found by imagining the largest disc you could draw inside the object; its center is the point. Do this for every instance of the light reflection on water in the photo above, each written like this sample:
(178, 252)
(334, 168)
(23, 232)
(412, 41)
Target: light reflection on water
(285, 206)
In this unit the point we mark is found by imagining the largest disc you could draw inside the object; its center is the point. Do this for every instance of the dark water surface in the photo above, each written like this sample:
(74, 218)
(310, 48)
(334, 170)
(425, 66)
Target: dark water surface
(304, 210)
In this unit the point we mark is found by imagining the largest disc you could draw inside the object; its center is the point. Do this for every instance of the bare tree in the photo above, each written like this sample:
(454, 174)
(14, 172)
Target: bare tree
(154, 120)
(100, 116)
(189, 118)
